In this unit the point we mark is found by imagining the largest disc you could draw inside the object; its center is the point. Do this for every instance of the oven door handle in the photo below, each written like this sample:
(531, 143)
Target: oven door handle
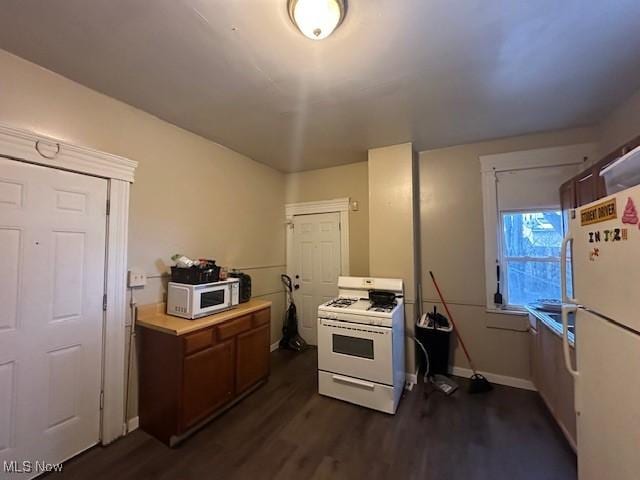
(354, 381)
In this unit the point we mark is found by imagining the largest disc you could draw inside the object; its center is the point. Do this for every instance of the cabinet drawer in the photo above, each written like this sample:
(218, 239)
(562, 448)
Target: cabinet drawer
(194, 342)
(234, 327)
(261, 317)
(369, 394)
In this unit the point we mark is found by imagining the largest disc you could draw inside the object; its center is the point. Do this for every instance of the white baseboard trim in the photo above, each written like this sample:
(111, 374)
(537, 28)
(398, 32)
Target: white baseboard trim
(133, 424)
(275, 346)
(496, 378)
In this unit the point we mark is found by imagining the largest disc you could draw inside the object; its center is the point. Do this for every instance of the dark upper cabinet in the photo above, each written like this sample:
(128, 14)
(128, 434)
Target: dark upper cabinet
(589, 186)
(586, 187)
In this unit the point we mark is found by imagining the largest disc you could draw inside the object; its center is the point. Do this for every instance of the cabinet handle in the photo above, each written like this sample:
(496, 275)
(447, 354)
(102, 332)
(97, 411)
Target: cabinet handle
(354, 381)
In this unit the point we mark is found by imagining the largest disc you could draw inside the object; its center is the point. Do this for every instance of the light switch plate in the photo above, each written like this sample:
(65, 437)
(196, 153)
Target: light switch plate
(136, 279)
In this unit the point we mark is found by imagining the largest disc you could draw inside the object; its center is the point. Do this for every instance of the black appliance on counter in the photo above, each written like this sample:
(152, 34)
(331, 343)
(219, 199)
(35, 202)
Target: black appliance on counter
(245, 285)
(205, 272)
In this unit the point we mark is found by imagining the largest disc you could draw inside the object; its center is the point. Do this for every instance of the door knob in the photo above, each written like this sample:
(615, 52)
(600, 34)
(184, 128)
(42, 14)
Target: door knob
(296, 287)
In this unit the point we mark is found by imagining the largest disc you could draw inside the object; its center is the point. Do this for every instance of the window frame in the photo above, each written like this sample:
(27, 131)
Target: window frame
(571, 156)
(503, 259)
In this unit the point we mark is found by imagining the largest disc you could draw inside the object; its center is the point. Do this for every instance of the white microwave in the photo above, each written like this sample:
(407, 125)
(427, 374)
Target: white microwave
(195, 301)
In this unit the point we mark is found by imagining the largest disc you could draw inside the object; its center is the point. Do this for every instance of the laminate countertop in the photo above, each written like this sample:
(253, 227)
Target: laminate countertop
(154, 316)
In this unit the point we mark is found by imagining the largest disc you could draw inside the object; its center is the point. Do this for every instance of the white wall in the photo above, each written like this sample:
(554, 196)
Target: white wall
(621, 125)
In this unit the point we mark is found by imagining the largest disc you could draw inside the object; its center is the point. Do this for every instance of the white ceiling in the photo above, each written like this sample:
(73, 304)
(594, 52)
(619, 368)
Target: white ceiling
(435, 72)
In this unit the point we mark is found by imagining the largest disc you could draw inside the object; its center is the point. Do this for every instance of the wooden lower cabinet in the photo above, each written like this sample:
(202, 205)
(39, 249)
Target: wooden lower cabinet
(207, 382)
(253, 357)
(186, 379)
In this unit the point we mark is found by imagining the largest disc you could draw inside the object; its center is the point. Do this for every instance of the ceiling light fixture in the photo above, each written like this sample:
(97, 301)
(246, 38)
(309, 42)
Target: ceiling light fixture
(317, 19)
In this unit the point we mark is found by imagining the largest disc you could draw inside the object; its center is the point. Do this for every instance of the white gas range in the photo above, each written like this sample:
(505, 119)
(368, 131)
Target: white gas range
(361, 344)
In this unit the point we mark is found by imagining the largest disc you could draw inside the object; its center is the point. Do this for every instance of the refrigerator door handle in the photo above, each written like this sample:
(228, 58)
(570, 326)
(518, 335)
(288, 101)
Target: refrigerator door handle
(563, 269)
(565, 338)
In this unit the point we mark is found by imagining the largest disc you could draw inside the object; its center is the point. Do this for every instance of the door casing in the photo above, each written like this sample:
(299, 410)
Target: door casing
(338, 205)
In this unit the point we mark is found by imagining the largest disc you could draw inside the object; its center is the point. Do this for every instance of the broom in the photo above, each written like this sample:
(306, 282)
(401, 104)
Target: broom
(478, 384)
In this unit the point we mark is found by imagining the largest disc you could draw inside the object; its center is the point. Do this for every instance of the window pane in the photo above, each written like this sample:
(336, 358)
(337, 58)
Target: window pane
(530, 281)
(532, 234)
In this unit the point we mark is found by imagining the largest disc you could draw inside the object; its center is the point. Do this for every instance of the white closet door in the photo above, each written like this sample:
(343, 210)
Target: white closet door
(52, 256)
(316, 268)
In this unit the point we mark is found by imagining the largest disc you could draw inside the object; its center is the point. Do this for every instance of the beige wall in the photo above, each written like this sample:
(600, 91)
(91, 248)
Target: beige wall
(339, 182)
(453, 245)
(621, 125)
(392, 224)
(191, 195)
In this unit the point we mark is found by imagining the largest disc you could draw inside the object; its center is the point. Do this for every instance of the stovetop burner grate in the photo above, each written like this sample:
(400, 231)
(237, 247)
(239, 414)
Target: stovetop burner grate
(381, 307)
(342, 302)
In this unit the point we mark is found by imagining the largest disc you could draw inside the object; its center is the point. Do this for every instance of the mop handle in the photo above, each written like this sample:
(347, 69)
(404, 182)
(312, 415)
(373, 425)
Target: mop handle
(466, 352)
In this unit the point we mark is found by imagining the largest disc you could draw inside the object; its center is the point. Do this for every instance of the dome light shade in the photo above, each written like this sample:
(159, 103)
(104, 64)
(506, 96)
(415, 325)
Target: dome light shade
(317, 19)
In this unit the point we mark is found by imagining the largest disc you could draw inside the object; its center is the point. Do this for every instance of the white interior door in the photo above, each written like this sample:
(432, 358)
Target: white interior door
(607, 399)
(316, 247)
(52, 257)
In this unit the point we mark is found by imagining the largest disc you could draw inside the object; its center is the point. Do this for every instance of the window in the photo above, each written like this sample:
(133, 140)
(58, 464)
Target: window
(530, 257)
(523, 224)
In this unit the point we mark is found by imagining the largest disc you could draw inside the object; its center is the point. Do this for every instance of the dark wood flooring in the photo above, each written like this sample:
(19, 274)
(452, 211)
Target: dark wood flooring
(285, 430)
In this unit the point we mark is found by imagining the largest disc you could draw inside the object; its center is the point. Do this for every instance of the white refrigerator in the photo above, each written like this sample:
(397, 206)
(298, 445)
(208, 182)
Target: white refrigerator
(603, 246)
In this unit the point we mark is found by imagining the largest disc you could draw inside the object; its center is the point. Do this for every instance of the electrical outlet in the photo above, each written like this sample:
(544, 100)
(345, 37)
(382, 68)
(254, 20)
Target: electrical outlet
(136, 279)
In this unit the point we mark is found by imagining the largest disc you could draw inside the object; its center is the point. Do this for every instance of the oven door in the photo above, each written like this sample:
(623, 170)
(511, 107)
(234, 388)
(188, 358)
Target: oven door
(356, 350)
(210, 299)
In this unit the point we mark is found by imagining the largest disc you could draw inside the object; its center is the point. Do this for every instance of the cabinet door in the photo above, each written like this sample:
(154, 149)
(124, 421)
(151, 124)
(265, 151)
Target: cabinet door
(252, 357)
(548, 365)
(586, 187)
(207, 382)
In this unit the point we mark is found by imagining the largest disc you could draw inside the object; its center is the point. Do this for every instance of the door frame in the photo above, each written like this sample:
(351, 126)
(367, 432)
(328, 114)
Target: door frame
(26, 146)
(337, 205)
